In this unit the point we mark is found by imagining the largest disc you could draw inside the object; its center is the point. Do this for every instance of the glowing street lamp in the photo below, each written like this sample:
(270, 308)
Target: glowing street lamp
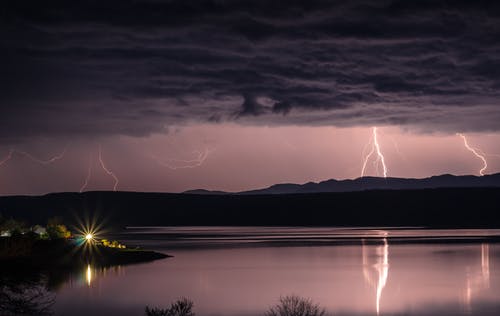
(89, 237)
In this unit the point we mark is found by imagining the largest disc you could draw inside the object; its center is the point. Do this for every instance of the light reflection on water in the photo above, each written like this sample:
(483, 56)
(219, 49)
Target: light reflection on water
(372, 277)
(478, 278)
(380, 265)
(88, 275)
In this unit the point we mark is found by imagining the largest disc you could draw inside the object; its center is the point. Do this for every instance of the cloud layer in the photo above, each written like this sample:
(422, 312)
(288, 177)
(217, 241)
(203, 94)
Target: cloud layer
(103, 68)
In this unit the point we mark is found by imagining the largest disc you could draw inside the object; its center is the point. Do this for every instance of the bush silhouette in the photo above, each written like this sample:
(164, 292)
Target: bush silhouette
(182, 307)
(295, 306)
(25, 297)
(56, 230)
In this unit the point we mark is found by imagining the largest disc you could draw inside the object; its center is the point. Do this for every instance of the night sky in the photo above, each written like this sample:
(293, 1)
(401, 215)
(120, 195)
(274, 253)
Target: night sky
(236, 95)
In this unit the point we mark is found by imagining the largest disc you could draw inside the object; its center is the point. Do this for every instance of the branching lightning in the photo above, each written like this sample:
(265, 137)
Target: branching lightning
(40, 161)
(476, 152)
(175, 164)
(7, 158)
(33, 158)
(375, 148)
(89, 173)
(109, 172)
(366, 158)
(398, 150)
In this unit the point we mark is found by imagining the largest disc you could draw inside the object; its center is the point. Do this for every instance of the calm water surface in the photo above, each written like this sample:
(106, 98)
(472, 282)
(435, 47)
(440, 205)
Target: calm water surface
(243, 271)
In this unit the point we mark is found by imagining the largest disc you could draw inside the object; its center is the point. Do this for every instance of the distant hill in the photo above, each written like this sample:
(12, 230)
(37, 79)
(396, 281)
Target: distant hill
(440, 201)
(204, 192)
(374, 183)
(442, 207)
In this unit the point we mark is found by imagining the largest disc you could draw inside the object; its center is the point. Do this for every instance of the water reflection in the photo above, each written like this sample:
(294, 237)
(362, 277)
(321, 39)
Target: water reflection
(477, 278)
(440, 277)
(88, 275)
(91, 275)
(378, 263)
(485, 264)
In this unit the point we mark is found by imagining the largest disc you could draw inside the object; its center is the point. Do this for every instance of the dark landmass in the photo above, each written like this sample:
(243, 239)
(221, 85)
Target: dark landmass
(26, 252)
(33, 268)
(444, 207)
(203, 191)
(373, 183)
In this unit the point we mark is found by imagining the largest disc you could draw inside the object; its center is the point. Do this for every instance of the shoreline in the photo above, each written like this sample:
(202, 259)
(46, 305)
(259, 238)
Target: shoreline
(64, 254)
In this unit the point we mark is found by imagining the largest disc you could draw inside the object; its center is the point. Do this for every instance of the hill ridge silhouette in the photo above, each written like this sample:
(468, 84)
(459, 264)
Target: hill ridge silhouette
(371, 183)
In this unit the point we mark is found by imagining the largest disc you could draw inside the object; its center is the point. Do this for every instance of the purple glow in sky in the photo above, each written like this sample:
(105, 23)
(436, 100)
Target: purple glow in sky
(234, 157)
(236, 95)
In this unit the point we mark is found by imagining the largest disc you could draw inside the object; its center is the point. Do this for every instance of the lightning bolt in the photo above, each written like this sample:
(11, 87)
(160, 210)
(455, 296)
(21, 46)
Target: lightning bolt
(375, 148)
(367, 157)
(33, 158)
(398, 150)
(476, 153)
(109, 172)
(175, 164)
(89, 173)
(40, 161)
(9, 156)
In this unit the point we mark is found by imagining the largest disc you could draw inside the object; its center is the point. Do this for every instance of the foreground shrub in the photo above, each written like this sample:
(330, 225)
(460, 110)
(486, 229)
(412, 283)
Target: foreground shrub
(182, 307)
(295, 306)
(25, 297)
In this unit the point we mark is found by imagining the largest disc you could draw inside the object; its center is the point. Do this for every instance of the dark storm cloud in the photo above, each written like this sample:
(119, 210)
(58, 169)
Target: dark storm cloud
(89, 68)
(250, 106)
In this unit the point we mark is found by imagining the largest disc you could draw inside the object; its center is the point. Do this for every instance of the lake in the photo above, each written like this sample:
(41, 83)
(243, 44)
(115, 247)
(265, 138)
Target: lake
(348, 271)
